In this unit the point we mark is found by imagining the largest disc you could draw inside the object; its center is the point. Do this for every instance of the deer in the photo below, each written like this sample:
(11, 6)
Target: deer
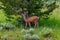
(28, 20)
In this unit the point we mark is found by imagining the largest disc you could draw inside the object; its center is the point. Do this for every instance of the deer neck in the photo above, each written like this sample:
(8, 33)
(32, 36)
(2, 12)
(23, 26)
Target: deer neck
(24, 17)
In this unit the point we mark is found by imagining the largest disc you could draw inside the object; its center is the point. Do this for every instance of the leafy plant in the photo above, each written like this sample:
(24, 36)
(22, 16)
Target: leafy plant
(45, 30)
(29, 34)
(7, 25)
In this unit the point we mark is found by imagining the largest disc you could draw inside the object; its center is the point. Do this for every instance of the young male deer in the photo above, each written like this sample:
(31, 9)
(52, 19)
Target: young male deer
(28, 20)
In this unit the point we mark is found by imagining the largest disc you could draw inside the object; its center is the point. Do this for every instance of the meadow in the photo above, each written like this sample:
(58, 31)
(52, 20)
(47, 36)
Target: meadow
(49, 27)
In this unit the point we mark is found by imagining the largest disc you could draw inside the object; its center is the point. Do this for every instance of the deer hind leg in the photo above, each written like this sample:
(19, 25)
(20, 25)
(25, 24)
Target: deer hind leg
(36, 24)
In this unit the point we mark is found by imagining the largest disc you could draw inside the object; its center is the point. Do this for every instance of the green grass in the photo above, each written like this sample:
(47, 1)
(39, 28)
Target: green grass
(17, 35)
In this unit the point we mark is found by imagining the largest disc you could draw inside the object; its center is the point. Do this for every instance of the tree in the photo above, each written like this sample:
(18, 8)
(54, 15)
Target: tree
(33, 7)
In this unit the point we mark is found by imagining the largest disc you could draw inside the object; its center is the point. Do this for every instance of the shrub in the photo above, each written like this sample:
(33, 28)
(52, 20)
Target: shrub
(29, 34)
(7, 25)
(45, 31)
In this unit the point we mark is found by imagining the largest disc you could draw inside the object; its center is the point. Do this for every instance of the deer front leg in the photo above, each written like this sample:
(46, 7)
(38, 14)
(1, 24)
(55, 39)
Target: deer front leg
(26, 24)
(29, 25)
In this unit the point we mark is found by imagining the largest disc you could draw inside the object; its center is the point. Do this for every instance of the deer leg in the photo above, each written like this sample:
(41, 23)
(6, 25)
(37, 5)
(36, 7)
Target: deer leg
(26, 24)
(35, 24)
(29, 25)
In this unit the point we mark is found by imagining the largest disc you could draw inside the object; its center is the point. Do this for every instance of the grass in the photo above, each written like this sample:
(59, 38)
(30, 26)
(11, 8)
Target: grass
(17, 35)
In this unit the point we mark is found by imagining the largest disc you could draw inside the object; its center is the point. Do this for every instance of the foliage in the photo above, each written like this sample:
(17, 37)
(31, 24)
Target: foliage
(45, 31)
(17, 35)
(33, 7)
(9, 19)
(52, 20)
(29, 34)
(2, 16)
(7, 25)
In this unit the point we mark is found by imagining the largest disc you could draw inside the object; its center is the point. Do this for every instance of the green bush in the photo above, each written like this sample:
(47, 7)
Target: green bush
(7, 25)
